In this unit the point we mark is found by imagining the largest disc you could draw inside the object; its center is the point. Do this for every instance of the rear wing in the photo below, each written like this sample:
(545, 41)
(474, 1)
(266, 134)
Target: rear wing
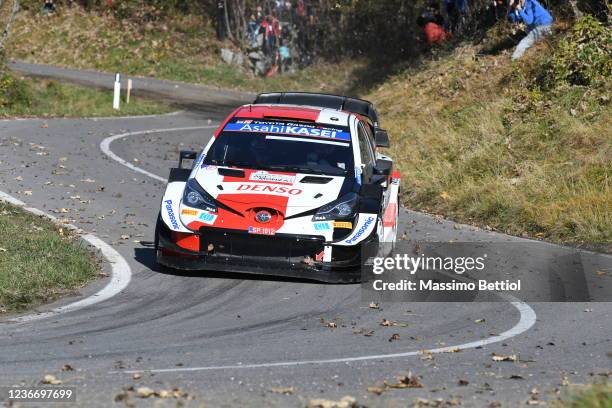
(353, 105)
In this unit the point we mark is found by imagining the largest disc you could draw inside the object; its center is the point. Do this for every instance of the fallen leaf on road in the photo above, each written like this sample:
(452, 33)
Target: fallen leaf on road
(137, 376)
(406, 381)
(51, 379)
(394, 337)
(3, 249)
(453, 350)
(44, 125)
(331, 325)
(125, 237)
(376, 390)
(88, 180)
(374, 305)
(463, 383)
(479, 321)
(387, 323)
(67, 367)
(498, 357)
(344, 402)
(283, 390)
(516, 377)
(144, 392)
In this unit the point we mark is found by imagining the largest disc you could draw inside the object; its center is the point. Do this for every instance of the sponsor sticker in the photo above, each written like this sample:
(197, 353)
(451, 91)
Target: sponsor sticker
(171, 215)
(261, 231)
(322, 226)
(264, 188)
(272, 178)
(187, 211)
(360, 231)
(207, 218)
(343, 224)
(278, 128)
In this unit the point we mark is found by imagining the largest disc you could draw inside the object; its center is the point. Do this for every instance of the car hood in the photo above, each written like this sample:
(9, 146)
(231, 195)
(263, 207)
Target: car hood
(288, 193)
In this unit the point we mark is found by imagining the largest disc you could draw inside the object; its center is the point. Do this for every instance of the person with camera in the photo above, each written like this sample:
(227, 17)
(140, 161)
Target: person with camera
(537, 19)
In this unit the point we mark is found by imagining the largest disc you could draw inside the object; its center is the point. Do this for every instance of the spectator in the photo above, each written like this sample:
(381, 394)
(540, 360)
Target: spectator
(434, 33)
(537, 19)
(432, 29)
(454, 11)
(48, 7)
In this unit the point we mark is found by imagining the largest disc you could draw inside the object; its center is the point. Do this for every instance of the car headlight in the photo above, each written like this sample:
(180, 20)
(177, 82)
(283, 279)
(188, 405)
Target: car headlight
(344, 207)
(195, 196)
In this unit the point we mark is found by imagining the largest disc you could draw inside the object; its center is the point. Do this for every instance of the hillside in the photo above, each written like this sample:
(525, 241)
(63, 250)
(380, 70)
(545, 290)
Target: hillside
(522, 148)
(178, 47)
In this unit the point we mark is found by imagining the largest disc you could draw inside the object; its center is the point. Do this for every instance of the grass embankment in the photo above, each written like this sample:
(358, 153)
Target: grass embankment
(594, 396)
(43, 98)
(181, 48)
(521, 147)
(39, 262)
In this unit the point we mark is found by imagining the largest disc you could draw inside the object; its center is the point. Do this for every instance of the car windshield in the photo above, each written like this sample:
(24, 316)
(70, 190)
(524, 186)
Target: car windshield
(283, 146)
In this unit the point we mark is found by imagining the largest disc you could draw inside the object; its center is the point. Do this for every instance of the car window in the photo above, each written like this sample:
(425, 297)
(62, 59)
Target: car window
(365, 147)
(283, 146)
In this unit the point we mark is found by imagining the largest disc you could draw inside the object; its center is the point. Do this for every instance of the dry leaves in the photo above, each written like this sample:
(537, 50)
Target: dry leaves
(283, 390)
(344, 402)
(406, 381)
(374, 305)
(498, 357)
(51, 379)
(394, 337)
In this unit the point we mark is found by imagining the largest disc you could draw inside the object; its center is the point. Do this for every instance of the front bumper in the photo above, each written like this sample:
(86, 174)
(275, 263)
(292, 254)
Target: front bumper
(279, 255)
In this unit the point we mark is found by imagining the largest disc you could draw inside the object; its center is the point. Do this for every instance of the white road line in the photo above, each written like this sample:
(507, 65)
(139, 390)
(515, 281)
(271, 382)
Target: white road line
(121, 274)
(526, 321)
(105, 146)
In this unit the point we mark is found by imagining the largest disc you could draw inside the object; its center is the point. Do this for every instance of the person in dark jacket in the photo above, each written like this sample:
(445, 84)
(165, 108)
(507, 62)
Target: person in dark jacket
(537, 19)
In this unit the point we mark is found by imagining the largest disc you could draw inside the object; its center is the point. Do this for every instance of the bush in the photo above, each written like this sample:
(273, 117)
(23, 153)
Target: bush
(13, 91)
(585, 55)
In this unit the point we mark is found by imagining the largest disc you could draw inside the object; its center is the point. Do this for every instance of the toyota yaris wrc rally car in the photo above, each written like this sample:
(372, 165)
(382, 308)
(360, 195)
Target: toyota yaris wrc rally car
(291, 185)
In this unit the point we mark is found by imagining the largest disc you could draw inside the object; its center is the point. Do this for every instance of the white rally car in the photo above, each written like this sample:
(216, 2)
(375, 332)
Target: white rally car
(291, 185)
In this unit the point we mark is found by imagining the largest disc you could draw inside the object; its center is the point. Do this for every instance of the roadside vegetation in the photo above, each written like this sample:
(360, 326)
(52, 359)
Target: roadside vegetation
(39, 262)
(522, 148)
(180, 47)
(592, 396)
(23, 97)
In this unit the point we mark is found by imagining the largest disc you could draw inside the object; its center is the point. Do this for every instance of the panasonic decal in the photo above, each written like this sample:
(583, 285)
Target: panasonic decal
(360, 231)
(171, 215)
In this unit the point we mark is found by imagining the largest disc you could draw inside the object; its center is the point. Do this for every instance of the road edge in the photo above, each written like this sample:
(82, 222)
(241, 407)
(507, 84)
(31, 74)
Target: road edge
(121, 273)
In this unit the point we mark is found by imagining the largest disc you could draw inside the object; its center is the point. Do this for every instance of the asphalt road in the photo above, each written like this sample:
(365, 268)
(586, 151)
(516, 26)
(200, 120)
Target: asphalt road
(229, 340)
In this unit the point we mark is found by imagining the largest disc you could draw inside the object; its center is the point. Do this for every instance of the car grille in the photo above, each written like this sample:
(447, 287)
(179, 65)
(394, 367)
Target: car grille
(242, 244)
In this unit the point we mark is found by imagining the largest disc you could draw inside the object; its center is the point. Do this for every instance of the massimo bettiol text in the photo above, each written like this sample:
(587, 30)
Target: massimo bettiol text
(478, 271)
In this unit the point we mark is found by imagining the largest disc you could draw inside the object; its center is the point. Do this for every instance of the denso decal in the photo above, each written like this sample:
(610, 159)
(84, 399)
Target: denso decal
(208, 218)
(360, 231)
(187, 211)
(288, 130)
(322, 226)
(173, 221)
(269, 189)
(273, 178)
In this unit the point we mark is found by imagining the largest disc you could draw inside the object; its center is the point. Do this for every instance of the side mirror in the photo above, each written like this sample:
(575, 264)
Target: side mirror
(186, 155)
(381, 138)
(383, 167)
